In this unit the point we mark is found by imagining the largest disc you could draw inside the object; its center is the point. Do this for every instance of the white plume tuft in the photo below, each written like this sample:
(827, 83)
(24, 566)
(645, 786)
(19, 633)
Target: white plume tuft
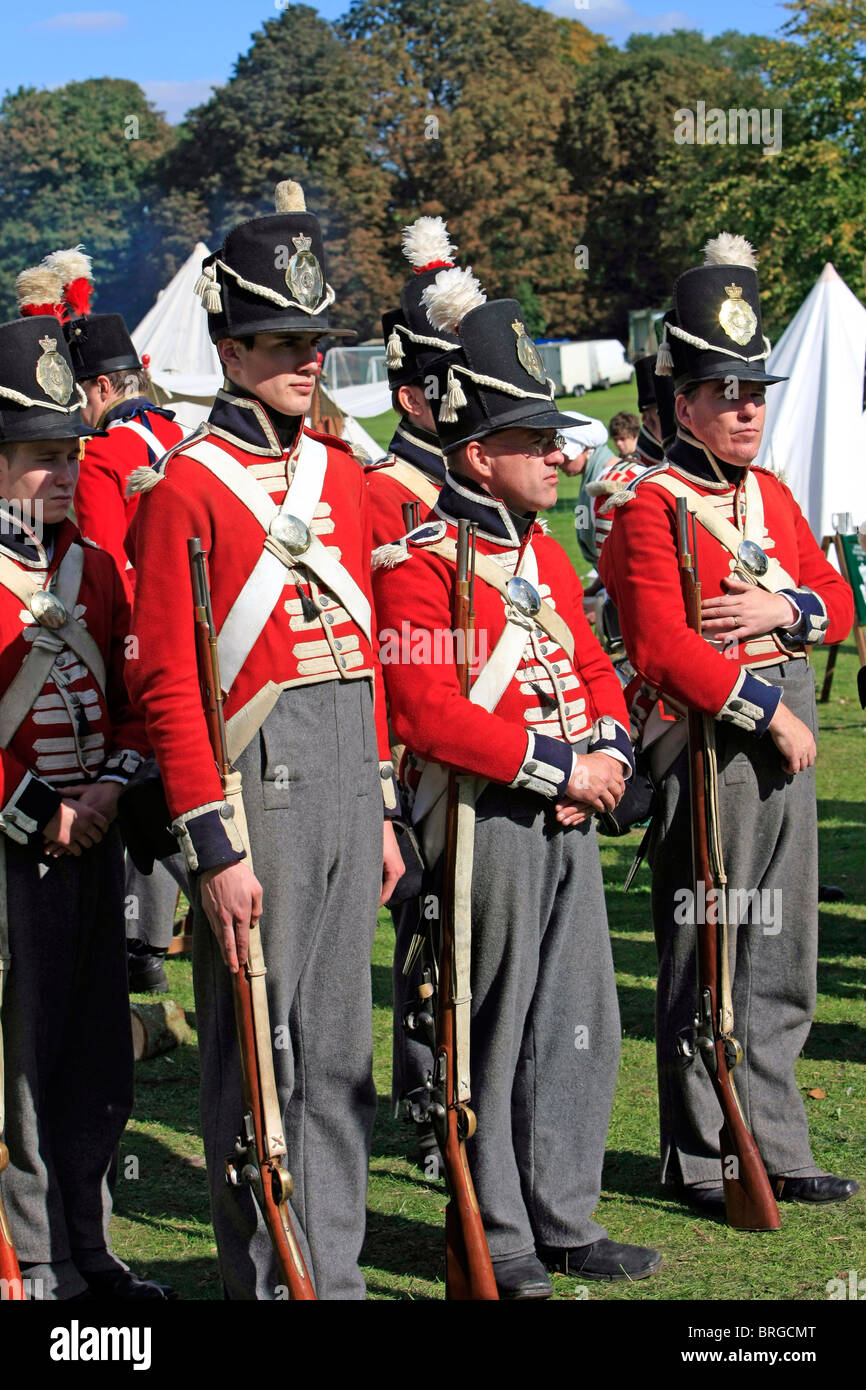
(289, 197)
(728, 249)
(448, 300)
(38, 285)
(427, 240)
(70, 265)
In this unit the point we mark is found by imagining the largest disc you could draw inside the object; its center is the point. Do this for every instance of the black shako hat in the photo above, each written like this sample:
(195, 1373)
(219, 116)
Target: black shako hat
(269, 275)
(497, 380)
(715, 329)
(411, 346)
(100, 344)
(645, 376)
(39, 398)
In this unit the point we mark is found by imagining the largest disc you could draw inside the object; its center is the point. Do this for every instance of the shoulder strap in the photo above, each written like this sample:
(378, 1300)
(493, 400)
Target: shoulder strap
(260, 594)
(19, 696)
(493, 574)
(416, 482)
(724, 531)
(153, 443)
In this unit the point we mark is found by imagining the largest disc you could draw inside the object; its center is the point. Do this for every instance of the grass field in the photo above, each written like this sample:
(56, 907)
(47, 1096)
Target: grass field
(161, 1221)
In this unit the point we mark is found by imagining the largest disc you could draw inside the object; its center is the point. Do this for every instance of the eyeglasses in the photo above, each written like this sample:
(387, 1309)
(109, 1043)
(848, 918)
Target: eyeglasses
(549, 445)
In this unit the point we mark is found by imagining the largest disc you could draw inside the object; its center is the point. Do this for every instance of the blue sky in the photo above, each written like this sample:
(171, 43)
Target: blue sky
(178, 51)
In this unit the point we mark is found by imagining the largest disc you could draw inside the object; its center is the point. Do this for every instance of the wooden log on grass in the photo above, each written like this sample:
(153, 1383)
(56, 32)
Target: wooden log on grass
(157, 1028)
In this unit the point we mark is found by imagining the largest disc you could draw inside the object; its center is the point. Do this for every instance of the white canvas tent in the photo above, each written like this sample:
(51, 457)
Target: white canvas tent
(815, 434)
(184, 363)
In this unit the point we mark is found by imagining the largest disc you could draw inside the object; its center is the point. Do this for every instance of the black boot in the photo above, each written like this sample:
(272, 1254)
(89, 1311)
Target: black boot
(145, 967)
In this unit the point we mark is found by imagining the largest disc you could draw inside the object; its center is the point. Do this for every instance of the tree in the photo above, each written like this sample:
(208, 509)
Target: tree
(75, 167)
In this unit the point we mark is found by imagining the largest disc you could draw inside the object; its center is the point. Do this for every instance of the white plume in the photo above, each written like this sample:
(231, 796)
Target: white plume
(448, 300)
(427, 240)
(289, 197)
(38, 285)
(728, 249)
(70, 265)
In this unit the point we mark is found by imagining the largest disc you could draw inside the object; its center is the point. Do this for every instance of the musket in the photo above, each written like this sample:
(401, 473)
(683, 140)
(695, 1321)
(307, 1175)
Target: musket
(468, 1268)
(749, 1201)
(260, 1151)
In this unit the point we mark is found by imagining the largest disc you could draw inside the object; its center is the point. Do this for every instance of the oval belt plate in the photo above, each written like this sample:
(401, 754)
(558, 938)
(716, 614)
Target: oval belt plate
(292, 533)
(523, 596)
(753, 558)
(48, 609)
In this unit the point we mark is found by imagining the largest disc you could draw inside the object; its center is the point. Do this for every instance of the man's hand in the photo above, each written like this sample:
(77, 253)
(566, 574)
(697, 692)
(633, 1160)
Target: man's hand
(392, 862)
(793, 739)
(597, 783)
(75, 826)
(745, 611)
(231, 895)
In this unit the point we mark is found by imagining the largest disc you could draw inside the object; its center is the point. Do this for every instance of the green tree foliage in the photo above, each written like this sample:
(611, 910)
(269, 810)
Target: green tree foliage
(75, 166)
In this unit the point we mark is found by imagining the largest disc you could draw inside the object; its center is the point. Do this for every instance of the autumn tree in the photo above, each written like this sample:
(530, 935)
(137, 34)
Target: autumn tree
(75, 164)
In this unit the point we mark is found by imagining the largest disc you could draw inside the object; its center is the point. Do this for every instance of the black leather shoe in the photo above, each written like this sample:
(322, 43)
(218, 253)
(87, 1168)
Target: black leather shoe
(824, 1189)
(603, 1259)
(122, 1284)
(709, 1201)
(522, 1276)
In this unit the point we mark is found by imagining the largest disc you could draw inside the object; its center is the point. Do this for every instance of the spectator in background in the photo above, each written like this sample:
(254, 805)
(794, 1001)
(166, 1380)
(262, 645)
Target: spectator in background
(624, 430)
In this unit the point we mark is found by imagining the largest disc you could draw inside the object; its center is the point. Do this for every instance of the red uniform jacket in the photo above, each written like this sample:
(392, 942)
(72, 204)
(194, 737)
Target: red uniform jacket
(640, 569)
(74, 732)
(522, 742)
(419, 451)
(613, 479)
(102, 509)
(292, 648)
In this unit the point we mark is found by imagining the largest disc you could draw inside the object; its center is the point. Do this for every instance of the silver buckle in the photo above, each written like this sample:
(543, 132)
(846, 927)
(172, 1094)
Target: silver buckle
(291, 533)
(753, 559)
(48, 609)
(523, 596)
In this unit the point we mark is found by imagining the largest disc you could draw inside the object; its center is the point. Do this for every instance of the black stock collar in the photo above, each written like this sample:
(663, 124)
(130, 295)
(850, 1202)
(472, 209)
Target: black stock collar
(421, 449)
(648, 448)
(693, 459)
(461, 498)
(246, 422)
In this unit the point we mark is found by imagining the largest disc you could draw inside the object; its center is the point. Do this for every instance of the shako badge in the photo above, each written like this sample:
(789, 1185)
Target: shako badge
(52, 372)
(527, 353)
(304, 274)
(737, 316)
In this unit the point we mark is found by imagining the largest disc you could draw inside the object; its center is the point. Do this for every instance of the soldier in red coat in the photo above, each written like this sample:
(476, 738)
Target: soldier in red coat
(69, 741)
(413, 470)
(768, 594)
(283, 516)
(543, 735)
(133, 433)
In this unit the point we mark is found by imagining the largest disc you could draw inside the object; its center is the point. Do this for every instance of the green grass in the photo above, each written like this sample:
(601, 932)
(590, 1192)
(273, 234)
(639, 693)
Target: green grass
(161, 1220)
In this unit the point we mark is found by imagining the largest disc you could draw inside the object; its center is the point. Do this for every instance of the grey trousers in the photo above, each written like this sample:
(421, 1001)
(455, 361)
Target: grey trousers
(545, 1033)
(68, 1050)
(151, 900)
(770, 843)
(314, 807)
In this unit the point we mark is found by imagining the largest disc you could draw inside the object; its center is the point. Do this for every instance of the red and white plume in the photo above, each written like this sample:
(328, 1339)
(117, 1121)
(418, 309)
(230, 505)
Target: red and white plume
(75, 270)
(39, 291)
(426, 244)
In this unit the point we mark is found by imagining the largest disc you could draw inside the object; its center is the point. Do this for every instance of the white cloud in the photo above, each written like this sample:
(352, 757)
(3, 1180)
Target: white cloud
(176, 98)
(617, 18)
(83, 21)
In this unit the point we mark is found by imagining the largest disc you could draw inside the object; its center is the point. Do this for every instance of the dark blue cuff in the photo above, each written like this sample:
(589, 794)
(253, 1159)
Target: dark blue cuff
(611, 737)
(39, 802)
(205, 839)
(546, 767)
(814, 622)
(751, 704)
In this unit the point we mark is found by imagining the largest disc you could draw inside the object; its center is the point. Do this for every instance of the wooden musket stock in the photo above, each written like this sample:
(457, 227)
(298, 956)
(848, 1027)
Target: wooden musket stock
(468, 1268)
(749, 1201)
(261, 1147)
